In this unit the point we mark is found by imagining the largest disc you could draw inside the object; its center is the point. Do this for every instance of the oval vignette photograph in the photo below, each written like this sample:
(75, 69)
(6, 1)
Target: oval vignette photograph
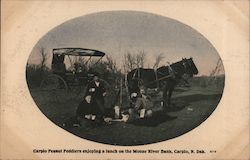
(125, 78)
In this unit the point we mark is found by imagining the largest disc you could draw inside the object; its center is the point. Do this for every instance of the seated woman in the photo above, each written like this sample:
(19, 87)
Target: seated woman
(88, 113)
(85, 112)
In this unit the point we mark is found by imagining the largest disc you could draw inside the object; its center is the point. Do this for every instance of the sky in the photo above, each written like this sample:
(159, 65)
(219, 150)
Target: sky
(119, 32)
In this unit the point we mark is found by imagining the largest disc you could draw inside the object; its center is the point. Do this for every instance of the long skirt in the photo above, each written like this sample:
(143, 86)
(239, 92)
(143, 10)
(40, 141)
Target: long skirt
(95, 108)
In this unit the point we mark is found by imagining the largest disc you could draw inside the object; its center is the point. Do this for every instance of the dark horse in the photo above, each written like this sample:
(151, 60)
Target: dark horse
(164, 78)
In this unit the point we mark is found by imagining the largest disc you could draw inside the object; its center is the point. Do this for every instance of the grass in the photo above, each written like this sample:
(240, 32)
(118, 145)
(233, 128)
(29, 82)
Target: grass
(191, 106)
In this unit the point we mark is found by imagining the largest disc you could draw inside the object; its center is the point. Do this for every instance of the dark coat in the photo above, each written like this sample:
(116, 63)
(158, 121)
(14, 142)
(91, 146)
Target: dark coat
(97, 98)
(96, 92)
(84, 108)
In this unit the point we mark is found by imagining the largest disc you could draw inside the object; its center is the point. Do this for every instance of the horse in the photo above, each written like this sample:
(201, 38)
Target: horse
(164, 78)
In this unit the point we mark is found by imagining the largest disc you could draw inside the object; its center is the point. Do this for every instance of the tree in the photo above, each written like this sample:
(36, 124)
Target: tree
(111, 64)
(140, 59)
(215, 72)
(36, 72)
(129, 62)
(132, 61)
(44, 58)
(158, 60)
(217, 68)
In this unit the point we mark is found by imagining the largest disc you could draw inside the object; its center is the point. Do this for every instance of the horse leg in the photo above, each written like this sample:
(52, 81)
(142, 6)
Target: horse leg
(170, 91)
(165, 96)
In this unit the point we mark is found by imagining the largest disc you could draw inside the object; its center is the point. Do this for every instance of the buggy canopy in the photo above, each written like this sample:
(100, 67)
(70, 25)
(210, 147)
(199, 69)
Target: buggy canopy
(78, 52)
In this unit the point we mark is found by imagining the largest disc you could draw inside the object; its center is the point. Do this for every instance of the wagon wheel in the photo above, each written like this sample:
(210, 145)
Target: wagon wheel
(55, 87)
(76, 91)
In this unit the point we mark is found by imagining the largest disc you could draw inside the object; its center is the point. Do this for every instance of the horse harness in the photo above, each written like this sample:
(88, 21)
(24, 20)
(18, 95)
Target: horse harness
(172, 74)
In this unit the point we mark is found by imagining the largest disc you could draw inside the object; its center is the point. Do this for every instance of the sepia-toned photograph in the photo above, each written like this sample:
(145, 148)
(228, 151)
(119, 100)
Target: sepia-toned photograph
(125, 78)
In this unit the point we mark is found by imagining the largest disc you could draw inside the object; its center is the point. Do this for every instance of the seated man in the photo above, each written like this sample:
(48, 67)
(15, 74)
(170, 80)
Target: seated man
(140, 104)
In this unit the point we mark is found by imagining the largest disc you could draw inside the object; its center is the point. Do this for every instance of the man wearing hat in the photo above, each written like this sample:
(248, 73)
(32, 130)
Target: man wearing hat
(96, 90)
(140, 103)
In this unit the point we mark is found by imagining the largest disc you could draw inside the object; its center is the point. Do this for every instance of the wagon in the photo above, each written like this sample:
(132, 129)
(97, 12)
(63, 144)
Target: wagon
(72, 80)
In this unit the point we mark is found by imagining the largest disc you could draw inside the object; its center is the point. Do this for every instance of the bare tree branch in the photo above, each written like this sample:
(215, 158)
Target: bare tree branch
(132, 61)
(44, 58)
(111, 63)
(129, 62)
(158, 60)
(140, 59)
(217, 68)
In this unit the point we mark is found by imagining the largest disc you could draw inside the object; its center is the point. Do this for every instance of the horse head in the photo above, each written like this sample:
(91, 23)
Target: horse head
(190, 67)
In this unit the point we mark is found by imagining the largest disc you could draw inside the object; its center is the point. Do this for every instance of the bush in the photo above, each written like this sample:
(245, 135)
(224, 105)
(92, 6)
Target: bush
(35, 74)
(208, 81)
(111, 75)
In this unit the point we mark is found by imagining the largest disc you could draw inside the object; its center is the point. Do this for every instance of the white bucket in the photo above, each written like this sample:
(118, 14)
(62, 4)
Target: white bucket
(142, 113)
(117, 112)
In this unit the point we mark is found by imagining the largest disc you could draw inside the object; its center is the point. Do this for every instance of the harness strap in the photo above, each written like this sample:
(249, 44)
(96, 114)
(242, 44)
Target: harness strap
(138, 77)
(156, 78)
(168, 76)
(135, 73)
(172, 72)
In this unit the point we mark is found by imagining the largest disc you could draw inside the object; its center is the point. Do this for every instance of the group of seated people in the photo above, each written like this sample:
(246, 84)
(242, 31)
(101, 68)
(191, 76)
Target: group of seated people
(92, 109)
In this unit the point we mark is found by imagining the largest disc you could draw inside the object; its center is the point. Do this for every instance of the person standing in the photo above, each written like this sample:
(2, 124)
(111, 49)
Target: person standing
(97, 91)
